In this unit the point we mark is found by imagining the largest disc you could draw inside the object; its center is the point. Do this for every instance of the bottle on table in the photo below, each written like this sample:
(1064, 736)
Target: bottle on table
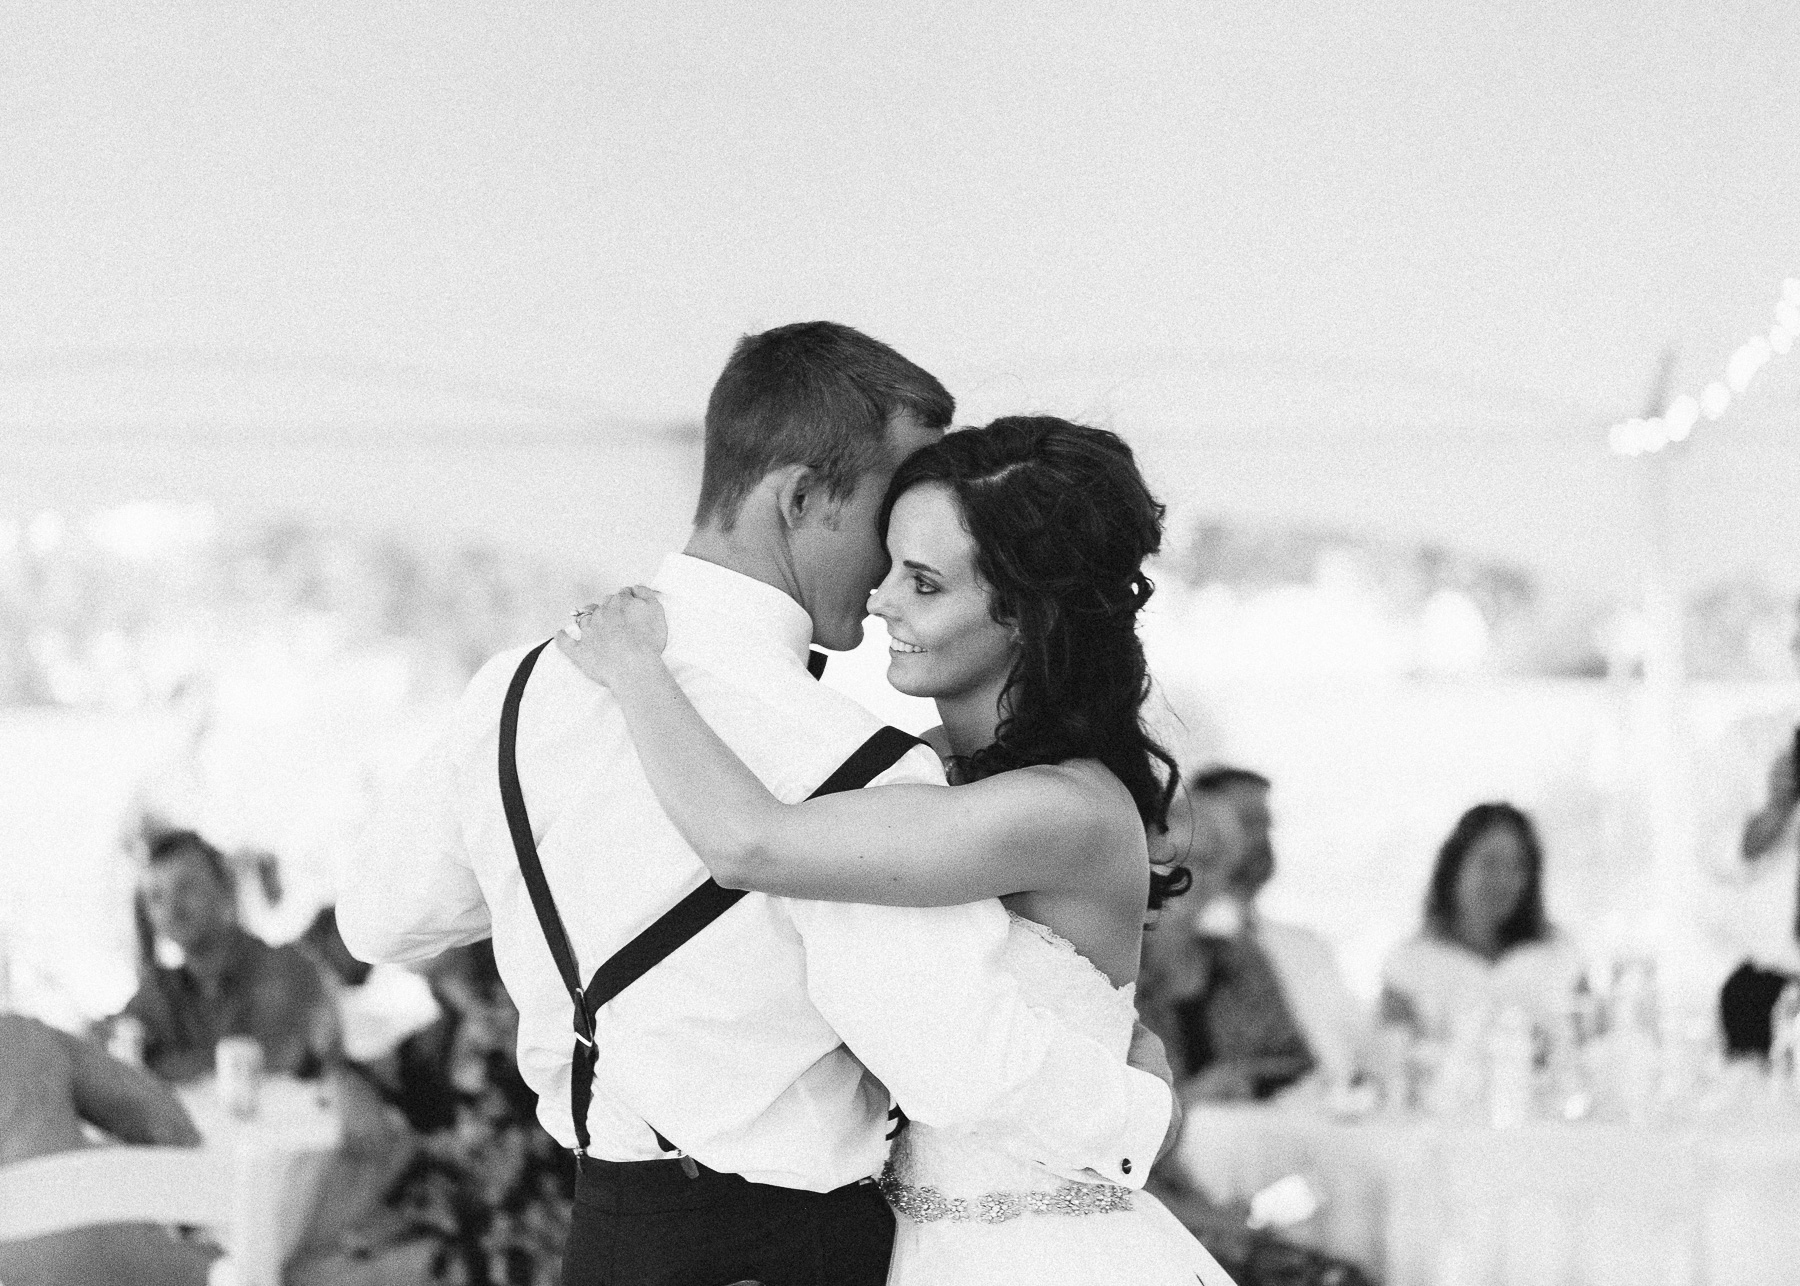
(1456, 1090)
(1511, 1058)
(1393, 1058)
(1572, 1053)
(125, 1041)
(1586, 1013)
(238, 1063)
(1636, 1039)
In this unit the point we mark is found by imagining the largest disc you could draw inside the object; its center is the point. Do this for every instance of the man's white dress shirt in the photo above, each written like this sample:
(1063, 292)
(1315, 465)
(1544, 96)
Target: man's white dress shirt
(734, 1047)
(1306, 967)
(1329, 1016)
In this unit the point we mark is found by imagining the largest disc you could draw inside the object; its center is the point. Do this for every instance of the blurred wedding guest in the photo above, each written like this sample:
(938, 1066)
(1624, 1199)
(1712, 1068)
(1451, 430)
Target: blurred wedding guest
(1486, 943)
(1241, 1003)
(226, 982)
(482, 1196)
(1747, 801)
(51, 1085)
(1767, 928)
(379, 1008)
(1246, 1006)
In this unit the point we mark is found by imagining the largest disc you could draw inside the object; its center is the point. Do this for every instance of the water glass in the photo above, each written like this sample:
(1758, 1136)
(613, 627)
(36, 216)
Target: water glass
(238, 1061)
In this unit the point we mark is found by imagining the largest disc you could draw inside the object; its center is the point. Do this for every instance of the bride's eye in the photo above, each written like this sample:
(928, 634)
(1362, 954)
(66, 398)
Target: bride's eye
(923, 586)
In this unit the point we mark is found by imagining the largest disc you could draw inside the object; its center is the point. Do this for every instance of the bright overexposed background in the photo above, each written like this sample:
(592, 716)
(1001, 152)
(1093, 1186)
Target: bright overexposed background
(341, 344)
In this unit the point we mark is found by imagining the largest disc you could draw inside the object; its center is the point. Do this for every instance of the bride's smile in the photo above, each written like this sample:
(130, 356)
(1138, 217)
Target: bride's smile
(943, 640)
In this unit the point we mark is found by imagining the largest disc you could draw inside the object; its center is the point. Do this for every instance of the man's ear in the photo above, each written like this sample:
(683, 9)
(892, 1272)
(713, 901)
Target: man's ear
(802, 498)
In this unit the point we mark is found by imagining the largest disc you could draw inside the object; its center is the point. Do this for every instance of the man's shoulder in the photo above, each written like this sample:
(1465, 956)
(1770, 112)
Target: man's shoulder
(839, 726)
(821, 700)
(795, 705)
(487, 687)
(556, 694)
(476, 711)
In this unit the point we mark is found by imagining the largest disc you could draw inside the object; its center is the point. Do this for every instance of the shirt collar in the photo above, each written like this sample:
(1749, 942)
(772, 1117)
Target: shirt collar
(707, 604)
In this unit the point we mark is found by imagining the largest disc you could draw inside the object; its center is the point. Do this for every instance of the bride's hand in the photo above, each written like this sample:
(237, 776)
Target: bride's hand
(608, 638)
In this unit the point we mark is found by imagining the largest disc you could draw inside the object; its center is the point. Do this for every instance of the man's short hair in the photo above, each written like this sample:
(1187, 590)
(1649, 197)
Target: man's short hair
(813, 393)
(170, 845)
(1223, 777)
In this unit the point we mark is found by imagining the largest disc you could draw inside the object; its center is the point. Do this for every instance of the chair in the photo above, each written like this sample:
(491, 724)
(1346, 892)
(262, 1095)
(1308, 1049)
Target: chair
(119, 1185)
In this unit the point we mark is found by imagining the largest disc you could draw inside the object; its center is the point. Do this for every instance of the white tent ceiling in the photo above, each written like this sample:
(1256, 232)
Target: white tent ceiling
(1391, 266)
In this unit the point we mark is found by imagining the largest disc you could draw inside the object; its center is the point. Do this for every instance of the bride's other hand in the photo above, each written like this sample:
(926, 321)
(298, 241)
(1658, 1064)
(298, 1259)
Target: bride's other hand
(609, 638)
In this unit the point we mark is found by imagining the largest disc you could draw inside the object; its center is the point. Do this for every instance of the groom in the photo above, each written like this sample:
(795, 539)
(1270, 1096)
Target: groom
(740, 1090)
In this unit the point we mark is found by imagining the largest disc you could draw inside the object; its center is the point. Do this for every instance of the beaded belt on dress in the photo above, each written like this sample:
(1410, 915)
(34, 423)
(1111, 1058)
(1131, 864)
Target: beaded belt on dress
(926, 1204)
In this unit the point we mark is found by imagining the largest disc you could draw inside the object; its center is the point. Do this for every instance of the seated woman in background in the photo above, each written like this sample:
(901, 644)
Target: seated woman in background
(1486, 944)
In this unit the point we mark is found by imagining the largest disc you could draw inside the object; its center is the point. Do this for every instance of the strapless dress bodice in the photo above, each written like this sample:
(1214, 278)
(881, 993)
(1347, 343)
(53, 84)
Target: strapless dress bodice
(968, 1175)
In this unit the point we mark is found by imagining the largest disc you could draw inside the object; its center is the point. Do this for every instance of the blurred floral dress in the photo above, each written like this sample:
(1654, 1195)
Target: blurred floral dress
(488, 1184)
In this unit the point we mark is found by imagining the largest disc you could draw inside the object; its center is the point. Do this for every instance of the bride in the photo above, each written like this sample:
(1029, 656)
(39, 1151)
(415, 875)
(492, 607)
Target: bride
(1012, 600)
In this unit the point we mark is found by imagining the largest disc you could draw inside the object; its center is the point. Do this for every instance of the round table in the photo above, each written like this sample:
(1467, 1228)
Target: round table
(279, 1157)
(1422, 1203)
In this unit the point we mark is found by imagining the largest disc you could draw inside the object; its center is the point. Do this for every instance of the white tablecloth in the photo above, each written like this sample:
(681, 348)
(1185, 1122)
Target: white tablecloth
(1547, 1204)
(279, 1157)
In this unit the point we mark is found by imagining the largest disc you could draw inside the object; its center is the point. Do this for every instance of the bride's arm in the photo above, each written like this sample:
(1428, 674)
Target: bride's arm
(905, 845)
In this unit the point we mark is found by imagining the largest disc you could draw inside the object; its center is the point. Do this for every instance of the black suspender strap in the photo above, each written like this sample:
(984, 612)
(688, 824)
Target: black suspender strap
(670, 930)
(513, 800)
(868, 761)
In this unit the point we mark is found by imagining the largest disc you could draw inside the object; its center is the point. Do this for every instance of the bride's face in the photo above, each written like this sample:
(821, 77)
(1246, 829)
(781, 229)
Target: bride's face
(943, 640)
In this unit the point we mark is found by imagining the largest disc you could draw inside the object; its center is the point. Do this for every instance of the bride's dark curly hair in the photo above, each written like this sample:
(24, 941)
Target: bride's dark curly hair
(1062, 523)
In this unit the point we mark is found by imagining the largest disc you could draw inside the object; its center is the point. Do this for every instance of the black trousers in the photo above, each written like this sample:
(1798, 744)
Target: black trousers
(1746, 1006)
(645, 1223)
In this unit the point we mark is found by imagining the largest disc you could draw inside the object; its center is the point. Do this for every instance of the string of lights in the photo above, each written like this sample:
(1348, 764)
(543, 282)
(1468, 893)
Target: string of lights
(1643, 436)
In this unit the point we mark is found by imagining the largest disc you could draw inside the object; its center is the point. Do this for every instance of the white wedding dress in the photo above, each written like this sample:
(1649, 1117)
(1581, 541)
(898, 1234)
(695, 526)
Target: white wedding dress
(968, 1212)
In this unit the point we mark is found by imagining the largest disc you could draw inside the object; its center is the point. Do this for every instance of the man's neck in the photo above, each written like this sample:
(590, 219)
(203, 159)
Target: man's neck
(741, 552)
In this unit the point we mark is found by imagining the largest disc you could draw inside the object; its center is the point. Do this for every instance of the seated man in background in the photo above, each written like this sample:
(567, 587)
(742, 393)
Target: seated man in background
(228, 983)
(1246, 1006)
(50, 1084)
